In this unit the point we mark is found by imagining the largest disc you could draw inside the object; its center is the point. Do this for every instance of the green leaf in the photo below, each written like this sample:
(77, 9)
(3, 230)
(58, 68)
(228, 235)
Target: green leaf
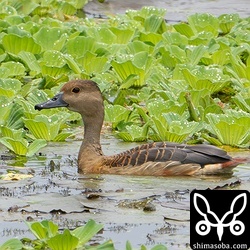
(37, 96)
(197, 53)
(229, 134)
(204, 22)
(125, 69)
(146, 12)
(153, 23)
(160, 126)
(125, 136)
(184, 29)
(8, 10)
(15, 44)
(173, 127)
(175, 38)
(85, 233)
(47, 127)
(9, 84)
(231, 128)
(53, 81)
(123, 36)
(72, 64)
(30, 61)
(108, 245)
(128, 246)
(129, 82)
(53, 58)
(151, 38)
(36, 146)
(159, 247)
(19, 147)
(15, 29)
(5, 109)
(43, 127)
(116, 113)
(38, 230)
(141, 59)
(211, 139)
(191, 108)
(14, 68)
(4, 72)
(137, 67)
(51, 227)
(104, 35)
(43, 230)
(241, 102)
(228, 21)
(78, 46)
(172, 56)
(238, 67)
(67, 8)
(12, 244)
(221, 57)
(79, 4)
(15, 117)
(201, 77)
(92, 64)
(136, 47)
(12, 133)
(54, 71)
(134, 133)
(51, 38)
(7, 92)
(62, 136)
(159, 106)
(65, 241)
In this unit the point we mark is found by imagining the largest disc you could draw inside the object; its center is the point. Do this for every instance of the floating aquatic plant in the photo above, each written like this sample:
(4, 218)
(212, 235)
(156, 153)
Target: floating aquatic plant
(21, 146)
(48, 235)
(227, 22)
(43, 127)
(243, 101)
(14, 44)
(132, 69)
(231, 128)
(144, 66)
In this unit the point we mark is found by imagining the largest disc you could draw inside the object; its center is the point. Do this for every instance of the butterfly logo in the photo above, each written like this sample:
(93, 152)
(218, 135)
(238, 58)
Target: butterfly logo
(203, 227)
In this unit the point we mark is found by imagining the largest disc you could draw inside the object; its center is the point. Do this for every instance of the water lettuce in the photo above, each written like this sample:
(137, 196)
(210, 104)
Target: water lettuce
(160, 81)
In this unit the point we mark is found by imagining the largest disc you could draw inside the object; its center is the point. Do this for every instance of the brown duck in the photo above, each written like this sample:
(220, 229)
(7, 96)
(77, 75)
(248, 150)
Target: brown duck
(156, 159)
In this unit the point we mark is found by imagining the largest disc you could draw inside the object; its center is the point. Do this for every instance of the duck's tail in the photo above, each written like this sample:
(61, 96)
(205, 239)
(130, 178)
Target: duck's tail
(224, 167)
(235, 162)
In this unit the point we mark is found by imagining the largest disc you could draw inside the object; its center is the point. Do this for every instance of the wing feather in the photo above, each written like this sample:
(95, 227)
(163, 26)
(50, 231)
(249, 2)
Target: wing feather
(201, 154)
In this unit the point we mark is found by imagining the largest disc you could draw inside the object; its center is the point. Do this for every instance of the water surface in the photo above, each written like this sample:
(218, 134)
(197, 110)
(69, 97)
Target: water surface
(177, 10)
(56, 191)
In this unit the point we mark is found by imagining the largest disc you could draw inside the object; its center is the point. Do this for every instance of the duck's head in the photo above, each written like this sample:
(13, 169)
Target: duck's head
(82, 96)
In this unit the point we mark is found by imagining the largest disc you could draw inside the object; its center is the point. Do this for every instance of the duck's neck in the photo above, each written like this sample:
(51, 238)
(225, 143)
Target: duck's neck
(91, 151)
(92, 132)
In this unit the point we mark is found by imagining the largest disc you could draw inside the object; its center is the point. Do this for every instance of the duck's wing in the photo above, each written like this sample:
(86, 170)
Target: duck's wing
(171, 152)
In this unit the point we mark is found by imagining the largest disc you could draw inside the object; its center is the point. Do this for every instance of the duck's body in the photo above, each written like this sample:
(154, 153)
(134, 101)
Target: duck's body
(156, 159)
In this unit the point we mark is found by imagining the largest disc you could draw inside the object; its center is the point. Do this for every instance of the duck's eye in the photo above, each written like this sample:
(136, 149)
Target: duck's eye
(76, 90)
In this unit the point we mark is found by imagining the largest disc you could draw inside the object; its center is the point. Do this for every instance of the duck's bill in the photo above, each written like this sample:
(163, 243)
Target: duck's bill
(54, 102)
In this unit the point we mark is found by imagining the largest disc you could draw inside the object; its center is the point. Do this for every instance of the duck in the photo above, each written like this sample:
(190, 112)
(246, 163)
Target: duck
(150, 159)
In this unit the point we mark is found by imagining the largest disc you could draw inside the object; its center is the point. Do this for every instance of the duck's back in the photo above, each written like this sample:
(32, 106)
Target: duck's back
(166, 158)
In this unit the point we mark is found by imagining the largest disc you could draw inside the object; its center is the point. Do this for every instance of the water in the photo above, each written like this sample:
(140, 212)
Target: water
(57, 192)
(177, 10)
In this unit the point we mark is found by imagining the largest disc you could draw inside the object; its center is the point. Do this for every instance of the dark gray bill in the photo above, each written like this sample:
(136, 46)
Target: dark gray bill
(55, 102)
